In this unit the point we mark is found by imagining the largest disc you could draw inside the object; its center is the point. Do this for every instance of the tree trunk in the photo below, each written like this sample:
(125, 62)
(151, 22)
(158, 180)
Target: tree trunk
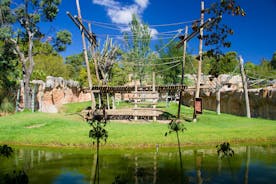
(245, 90)
(218, 101)
(27, 92)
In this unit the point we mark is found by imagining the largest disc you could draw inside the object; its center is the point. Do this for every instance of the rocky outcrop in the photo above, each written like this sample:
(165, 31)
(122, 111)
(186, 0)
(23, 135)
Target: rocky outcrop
(56, 91)
(262, 102)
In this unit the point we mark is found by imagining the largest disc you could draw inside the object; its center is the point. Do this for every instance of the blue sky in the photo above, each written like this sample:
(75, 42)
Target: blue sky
(254, 34)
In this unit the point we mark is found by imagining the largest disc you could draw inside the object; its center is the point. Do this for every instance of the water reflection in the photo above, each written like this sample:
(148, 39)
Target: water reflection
(256, 164)
(70, 178)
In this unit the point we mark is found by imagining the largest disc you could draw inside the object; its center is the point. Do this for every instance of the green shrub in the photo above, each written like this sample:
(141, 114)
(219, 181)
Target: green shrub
(6, 106)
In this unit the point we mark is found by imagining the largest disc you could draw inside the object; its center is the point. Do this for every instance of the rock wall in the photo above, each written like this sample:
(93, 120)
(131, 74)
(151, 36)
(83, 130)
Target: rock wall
(55, 92)
(262, 102)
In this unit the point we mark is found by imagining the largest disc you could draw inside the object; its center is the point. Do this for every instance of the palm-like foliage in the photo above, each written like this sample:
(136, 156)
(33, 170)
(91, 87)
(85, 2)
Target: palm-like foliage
(98, 122)
(106, 59)
(175, 126)
(97, 133)
(224, 150)
(6, 151)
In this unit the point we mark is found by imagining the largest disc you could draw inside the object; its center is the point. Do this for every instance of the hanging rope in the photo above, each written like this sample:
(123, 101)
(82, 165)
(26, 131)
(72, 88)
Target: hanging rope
(166, 45)
(150, 25)
(150, 64)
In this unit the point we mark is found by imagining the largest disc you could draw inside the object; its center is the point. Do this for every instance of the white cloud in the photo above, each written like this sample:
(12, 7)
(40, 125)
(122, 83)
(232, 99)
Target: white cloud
(153, 33)
(122, 14)
(106, 3)
(142, 3)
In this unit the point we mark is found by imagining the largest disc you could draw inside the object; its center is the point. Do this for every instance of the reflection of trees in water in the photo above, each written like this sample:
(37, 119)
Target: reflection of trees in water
(161, 168)
(97, 120)
(17, 177)
(175, 126)
(247, 165)
(198, 162)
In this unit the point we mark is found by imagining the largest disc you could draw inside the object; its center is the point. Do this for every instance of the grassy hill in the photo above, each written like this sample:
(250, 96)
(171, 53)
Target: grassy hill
(69, 129)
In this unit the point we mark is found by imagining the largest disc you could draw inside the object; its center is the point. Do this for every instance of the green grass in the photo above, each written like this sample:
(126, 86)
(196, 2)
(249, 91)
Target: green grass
(68, 129)
(75, 107)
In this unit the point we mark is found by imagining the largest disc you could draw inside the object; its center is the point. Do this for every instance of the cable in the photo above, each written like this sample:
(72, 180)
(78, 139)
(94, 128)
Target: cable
(168, 58)
(150, 25)
(170, 41)
(118, 37)
(151, 64)
(168, 68)
(173, 24)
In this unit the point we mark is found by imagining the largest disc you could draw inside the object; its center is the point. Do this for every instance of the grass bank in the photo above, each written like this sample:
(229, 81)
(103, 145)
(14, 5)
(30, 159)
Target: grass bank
(68, 129)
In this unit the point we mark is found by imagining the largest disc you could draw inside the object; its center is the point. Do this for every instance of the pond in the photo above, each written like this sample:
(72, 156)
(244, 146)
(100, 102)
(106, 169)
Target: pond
(250, 164)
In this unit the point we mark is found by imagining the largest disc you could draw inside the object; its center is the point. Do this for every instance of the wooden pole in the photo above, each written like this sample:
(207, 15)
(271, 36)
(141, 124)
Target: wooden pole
(135, 100)
(183, 71)
(86, 57)
(200, 50)
(244, 82)
(200, 56)
(92, 54)
(218, 101)
(154, 94)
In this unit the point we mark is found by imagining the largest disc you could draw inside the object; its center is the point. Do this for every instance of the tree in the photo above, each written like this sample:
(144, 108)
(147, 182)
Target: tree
(170, 72)
(139, 45)
(106, 59)
(273, 61)
(226, 64)
(8, 72)
(216, 35)
(98, 132)
(118, 76)
(28, 15)
(74, 64)
(177, 127)
(49, 65)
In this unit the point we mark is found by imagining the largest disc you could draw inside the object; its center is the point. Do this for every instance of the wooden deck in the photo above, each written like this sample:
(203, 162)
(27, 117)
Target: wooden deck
(130, 113)
(129, 89)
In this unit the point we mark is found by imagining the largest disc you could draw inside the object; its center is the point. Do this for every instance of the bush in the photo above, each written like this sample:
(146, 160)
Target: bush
(6, 106)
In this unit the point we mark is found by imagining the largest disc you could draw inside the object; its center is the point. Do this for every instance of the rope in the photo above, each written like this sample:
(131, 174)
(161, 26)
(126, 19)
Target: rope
(150, 25)
(149, 64)
(168, 58)
(166, 45)
(160, 71)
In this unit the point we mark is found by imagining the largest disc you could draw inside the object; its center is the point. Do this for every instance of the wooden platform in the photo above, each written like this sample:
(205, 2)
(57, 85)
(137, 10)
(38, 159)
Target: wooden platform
(129, 89)
(130, 113)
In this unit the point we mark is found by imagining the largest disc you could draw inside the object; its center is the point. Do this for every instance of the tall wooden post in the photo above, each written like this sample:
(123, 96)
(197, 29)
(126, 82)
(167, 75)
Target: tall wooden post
(92, 54)
(183, 71)
(135, 101)
(244, 82)
(218, 100)
(200, 56)
(200, 50)
(86, 57)
(155, 96)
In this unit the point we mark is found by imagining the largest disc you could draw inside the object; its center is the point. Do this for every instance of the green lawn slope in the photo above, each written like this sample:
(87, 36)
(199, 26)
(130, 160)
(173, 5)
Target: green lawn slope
(69, 129)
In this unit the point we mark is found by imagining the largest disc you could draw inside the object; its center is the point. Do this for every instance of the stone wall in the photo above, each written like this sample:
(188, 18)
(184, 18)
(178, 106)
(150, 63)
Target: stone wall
(262, 102)
(55, 92)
